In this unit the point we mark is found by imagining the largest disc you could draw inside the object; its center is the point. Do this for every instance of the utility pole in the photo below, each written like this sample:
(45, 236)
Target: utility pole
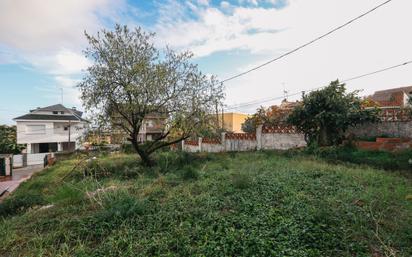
(217, 116)
(285, 92)
(69, 133)
(223, 118)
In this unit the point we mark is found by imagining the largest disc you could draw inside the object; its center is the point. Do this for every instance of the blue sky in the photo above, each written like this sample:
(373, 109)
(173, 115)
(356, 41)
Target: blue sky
(41, 44)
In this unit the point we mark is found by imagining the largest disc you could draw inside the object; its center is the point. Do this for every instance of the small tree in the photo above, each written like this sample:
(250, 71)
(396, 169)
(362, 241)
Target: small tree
(326, 114)
(274, 115)
(131, 79)
(8, 140)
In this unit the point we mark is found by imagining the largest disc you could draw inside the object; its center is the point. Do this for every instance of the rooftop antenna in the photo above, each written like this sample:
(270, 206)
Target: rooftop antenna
(285, 92)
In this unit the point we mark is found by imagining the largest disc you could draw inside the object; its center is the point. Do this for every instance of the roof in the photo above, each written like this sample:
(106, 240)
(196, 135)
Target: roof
(70, 114)
(393, 96)
(58, 108)
(33, 116)
(398, 89)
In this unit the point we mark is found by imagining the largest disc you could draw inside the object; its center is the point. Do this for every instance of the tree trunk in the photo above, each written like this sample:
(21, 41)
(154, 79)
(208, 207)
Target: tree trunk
(147, 161)
(323, 139)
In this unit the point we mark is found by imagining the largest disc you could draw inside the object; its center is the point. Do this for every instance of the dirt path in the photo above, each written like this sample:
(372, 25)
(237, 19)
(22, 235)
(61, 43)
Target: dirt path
(9, 184)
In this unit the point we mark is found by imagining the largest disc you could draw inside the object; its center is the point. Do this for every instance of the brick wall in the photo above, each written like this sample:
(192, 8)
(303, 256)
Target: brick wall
(386, 144)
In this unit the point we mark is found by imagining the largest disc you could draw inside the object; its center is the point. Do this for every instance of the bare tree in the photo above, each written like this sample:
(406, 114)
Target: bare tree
(131, 79)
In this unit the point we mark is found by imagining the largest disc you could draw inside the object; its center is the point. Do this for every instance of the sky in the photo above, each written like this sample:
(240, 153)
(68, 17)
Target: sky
(42, 43)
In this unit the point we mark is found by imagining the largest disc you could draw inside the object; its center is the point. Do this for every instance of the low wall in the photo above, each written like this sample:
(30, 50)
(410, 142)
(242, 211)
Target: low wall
(386, 144)
(281, 138)
(402, 129)
(190, 146)
(211, 145)
(36, 158)
(18, 161)
(282, 141)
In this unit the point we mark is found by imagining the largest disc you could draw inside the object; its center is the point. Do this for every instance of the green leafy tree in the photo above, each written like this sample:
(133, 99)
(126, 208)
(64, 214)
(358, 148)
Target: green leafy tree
(274, 115)
(8, 140)
(130, 79)
(324, 115)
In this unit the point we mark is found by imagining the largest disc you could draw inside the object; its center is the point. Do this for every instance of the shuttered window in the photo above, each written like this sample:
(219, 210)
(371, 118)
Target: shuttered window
(36, 129)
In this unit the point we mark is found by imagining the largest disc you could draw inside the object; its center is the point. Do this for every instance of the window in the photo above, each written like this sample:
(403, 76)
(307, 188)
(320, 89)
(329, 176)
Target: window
(149, 124)
(66, 127)
(36, 129)
(55, 112)
(61, 112)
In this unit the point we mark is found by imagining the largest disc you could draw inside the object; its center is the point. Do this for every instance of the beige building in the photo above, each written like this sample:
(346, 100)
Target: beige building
(233, 121)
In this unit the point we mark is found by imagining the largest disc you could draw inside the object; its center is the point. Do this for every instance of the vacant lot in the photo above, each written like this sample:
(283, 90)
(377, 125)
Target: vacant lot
(244, 204)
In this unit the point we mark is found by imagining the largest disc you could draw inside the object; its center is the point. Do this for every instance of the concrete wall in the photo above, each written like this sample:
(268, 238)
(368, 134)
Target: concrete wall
(239, 145)
(401, 129)
(282, 141)
(190, 146)
(281, 138)
(18, 160)
(212, 147)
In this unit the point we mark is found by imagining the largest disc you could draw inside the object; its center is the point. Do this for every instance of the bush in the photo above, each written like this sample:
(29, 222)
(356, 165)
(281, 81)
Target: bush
(15, 205)
(190, 173)
(241, 181)
(378, 159)
(117, 207)
(127, 148)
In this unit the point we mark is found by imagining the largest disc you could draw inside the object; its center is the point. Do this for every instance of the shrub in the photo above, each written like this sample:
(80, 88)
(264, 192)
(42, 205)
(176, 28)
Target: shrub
(190, 173)
(67, 194)
(241, 181)
(16, 205)
(117, 207)
(127, 148)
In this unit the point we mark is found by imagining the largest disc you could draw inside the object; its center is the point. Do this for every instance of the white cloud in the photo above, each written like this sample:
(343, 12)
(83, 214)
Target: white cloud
(378, 40)
(224, 4)
(49, 36)
(33, 25)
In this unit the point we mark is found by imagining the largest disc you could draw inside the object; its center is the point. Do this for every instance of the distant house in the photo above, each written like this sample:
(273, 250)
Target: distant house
(152, 128)
(233, 121)
(395, 97)
(289, 106)
(53, 128)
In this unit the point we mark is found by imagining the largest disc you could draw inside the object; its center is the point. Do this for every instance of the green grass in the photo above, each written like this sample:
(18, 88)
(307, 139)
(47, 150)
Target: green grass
(394, 161)
(235, 204)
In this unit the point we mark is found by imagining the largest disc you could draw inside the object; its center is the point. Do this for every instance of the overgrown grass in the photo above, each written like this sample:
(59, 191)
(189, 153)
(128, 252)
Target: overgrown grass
(395, 161)
(237, 204)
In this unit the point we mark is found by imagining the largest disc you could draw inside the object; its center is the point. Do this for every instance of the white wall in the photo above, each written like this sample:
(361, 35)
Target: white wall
(240, 145)
(36, 158)
(241, 142)
(212, 148)
(54, 132)
(282, 141)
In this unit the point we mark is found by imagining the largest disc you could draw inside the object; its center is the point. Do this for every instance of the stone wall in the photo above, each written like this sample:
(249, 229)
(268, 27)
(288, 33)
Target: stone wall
(402, 129)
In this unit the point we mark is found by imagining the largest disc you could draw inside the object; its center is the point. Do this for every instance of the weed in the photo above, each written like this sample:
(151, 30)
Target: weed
(242, 180)
(190, 173)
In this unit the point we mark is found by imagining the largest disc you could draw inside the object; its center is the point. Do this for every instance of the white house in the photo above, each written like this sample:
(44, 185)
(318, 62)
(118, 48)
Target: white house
(50, 129)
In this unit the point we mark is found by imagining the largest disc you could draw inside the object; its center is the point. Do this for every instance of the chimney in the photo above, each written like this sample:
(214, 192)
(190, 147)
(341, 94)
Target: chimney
(73, 108)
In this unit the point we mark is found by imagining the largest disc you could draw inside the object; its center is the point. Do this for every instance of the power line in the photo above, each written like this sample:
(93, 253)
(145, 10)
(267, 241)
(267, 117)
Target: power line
(378, 71)
(308, 43)
(297, 93)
